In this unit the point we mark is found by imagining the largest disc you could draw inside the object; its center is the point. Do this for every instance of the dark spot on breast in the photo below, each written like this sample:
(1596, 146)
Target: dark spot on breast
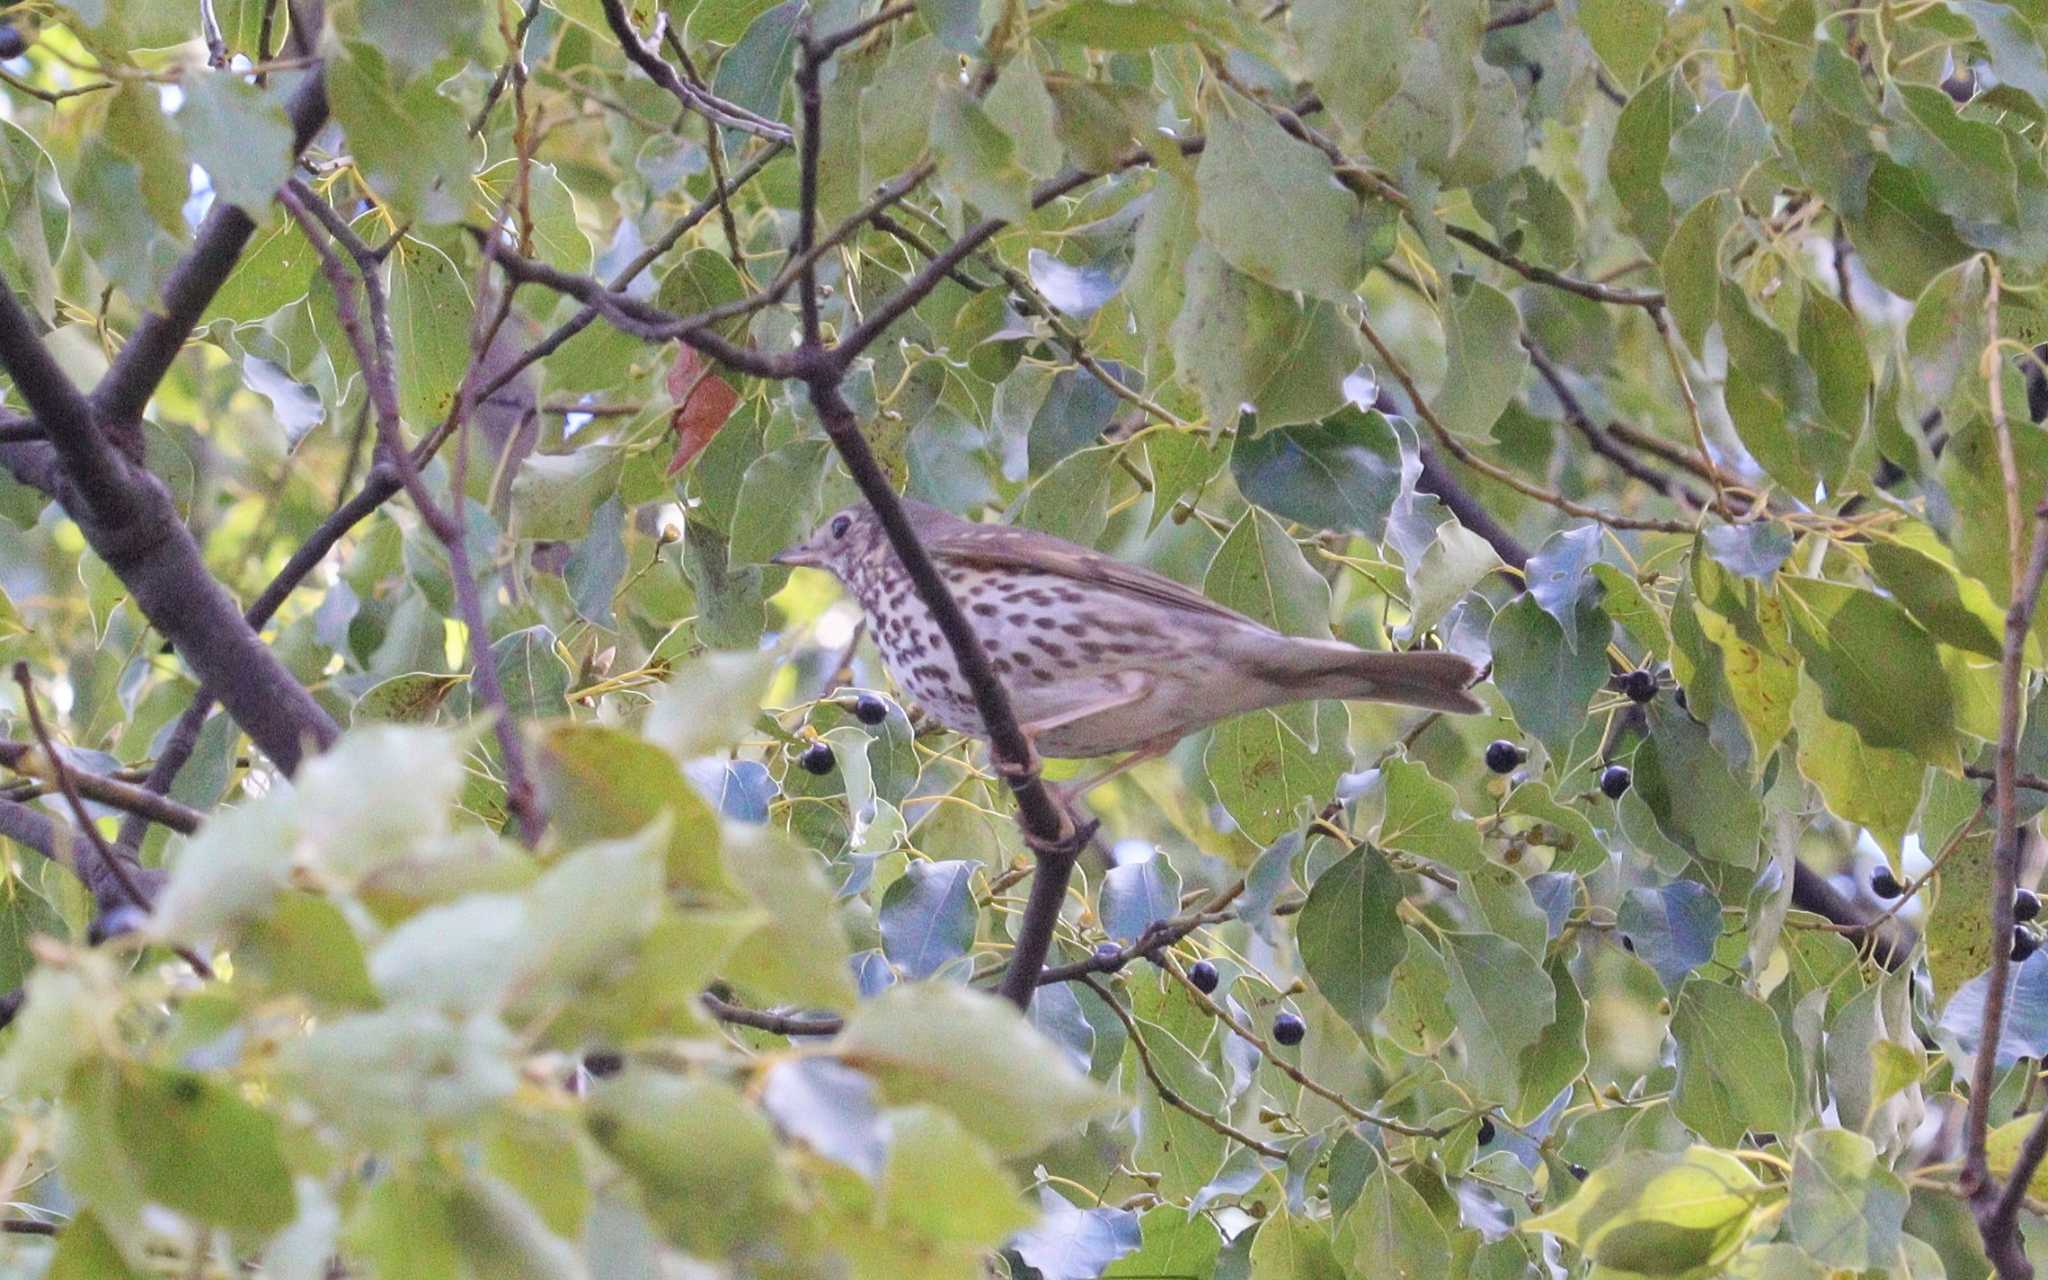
(986, 610)
(1019, 619)
(1051, 650)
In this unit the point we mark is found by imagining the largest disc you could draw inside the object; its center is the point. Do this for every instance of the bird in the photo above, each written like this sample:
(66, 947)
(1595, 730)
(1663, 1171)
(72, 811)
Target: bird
(1099, 657)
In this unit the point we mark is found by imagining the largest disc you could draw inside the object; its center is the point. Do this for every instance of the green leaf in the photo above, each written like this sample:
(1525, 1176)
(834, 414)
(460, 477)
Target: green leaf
(1341, 474)
(1176, 1242)
(976, 158)
(1635, 163)
(709, 703)
(1625, 33)
(1877, 670)
(705, 1161)
(554, 494)
(600, 784)
(86, 1252)
(1547, 679)
(430, 319)
(1846, 1206)
(943, 1184)
(411, 143)
(1260, 572)
(975, 1057)
(1241, 342)
(799, 954)
(1352, 53)
(1420, 817)
(1294, 1248)
(1715, 150)
(1733, 1076)
(1390, 1231)
(1503, 1003)
(1913, 566)
(1183, 1151)
(928, 917)
(1483, 357)
(1874, 787)
(1970, 173)
(1699, 802)
(1350, 936)
(198, 1148)
(239, 135)
(1691, 270)
(1903, 238)
(1271, 768)
(535, 679)
(1270, 209)
(1658, 1213)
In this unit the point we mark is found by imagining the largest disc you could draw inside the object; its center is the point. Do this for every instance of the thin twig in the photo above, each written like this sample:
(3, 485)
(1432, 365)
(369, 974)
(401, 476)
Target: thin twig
(1167, 1093)
(112, 792)
(1996, 1212)
(1458, 449)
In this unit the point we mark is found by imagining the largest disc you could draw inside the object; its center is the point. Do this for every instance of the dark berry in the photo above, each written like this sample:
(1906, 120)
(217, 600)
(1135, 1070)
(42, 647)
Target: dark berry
(2026, 905)
(870, 709)
(11, 43)
(1614, 780)
(1886, 885)
(1639, 685)
(817, 758)
(2026, 939)
(604, 1062)
(1203, 975)
(114, 923)
(1577, 1171)
(1485, 1134)
(1289, 1029)
(1502, 756)
(1108, 953)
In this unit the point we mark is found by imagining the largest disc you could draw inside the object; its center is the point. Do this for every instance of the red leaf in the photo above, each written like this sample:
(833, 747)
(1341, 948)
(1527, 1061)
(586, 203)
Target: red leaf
(703, 402)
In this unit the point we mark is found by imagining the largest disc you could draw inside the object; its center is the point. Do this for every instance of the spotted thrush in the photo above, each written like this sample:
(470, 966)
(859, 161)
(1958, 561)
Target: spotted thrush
(1099, 657)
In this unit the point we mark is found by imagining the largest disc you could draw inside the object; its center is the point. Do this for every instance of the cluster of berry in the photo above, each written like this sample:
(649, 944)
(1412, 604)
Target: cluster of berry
(2026, 906)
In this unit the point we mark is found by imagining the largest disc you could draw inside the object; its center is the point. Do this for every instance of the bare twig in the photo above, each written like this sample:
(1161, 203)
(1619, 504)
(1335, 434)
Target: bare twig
(645, 57)
(1167, 1093)
(1458, 449)
(115, 865)
(112, 792)
(1997, 1212)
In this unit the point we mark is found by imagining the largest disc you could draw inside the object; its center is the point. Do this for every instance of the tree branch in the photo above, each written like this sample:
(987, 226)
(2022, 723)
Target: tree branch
(131, 522)
(644, 57)
(1997, 1213)
(24, 758)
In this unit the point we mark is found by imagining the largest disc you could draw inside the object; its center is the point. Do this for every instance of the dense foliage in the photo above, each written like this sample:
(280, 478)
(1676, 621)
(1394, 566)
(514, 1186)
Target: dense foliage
(541, 883)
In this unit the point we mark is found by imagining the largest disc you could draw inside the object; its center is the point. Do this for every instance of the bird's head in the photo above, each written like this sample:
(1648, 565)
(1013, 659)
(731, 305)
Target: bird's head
(834, 546)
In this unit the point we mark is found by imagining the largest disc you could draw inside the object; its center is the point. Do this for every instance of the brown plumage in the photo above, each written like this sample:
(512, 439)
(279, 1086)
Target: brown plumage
(1098, 656)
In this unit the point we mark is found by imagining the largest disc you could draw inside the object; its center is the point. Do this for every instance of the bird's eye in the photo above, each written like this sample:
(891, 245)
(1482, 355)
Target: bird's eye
(840, 524)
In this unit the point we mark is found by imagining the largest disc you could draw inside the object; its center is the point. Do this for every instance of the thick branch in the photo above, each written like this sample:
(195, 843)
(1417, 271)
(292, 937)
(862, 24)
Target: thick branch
(57, 841)
(132, 523)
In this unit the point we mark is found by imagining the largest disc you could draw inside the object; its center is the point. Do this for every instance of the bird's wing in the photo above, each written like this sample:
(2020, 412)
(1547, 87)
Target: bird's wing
(999, 547)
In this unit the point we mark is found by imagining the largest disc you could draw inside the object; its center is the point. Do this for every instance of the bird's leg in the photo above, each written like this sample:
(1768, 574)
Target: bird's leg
(1069, 792)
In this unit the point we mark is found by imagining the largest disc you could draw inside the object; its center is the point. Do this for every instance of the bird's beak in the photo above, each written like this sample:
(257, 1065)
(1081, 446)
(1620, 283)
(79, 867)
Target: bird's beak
(794, 557)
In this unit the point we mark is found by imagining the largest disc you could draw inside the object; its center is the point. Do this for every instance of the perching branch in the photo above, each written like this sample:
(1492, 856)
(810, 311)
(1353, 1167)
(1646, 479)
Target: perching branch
(1997, 1212)
(646, 57)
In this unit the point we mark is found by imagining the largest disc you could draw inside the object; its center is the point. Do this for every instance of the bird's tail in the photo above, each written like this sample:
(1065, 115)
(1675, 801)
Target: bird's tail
(1333, 669)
